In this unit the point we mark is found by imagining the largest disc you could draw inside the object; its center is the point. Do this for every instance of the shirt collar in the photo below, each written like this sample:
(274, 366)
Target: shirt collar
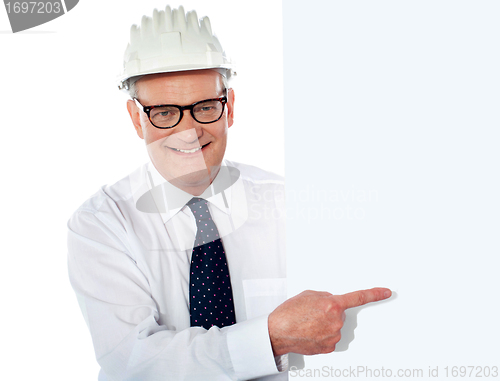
(170, 200)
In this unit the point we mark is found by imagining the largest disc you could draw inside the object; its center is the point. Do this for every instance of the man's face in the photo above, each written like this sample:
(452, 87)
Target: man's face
(190, 171)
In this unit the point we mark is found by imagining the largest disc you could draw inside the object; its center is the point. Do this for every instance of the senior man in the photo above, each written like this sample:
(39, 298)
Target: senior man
(179, 268)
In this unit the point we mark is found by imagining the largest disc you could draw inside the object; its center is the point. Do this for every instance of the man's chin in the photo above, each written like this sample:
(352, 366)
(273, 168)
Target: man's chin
(200, 179)
(194, 178)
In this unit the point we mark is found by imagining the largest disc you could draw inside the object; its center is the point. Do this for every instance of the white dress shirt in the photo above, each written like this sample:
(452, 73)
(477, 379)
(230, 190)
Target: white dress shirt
(129, 260)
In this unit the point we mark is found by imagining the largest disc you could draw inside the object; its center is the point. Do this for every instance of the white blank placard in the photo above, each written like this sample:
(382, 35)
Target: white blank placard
(392, 170)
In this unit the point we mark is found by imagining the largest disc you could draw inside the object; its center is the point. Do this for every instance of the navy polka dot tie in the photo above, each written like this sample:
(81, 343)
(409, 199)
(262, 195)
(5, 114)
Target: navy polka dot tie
(210, 294)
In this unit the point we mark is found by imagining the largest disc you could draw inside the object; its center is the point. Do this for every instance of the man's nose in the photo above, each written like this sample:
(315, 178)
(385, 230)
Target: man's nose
(188, 130)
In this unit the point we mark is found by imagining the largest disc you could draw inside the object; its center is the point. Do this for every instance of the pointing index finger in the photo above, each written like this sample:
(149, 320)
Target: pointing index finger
(362, 297)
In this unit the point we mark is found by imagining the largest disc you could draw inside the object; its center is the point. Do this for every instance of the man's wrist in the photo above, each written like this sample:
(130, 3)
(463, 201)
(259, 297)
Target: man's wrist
(276, 343)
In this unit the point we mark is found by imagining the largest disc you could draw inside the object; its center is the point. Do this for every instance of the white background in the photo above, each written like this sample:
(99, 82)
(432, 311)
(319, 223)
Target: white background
(397, 100)
(391, 110)
(66, 132)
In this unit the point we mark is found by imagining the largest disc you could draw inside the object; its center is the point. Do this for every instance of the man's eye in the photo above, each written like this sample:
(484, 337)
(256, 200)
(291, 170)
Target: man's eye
(163, 113)
(206, 108)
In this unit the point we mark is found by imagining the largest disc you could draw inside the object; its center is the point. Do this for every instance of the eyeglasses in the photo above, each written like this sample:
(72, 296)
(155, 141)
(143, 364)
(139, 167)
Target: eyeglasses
(168, 116)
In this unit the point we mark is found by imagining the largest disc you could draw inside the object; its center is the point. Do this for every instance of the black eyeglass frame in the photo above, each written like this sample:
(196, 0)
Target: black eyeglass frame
(147, 110)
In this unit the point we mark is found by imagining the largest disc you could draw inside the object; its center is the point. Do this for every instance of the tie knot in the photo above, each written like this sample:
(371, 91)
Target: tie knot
(206, 230)
(199, 208)
(196, 203)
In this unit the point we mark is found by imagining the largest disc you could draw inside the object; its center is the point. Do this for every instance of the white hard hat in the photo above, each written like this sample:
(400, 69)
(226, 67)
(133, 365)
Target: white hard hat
(172, 41)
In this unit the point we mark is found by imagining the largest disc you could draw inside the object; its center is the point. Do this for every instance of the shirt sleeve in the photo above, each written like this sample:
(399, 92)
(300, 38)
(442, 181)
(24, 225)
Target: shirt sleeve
(121, 314)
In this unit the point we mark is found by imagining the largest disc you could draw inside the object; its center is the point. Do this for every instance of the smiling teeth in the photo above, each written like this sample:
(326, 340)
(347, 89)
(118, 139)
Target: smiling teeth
(189, 150)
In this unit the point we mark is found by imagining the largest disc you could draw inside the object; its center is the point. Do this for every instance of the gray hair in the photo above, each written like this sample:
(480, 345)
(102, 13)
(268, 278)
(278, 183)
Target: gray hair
(131, 83)
(131, 87)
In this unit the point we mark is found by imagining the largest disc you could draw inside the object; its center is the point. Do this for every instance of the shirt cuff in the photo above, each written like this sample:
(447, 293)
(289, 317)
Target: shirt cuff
(250, 349)
(281, 362)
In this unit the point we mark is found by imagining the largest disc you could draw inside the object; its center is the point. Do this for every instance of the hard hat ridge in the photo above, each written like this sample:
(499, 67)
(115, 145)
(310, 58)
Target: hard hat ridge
(170, 41)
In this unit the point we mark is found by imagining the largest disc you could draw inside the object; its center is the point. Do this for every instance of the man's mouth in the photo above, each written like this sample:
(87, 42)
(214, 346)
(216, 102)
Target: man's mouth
(193, 150)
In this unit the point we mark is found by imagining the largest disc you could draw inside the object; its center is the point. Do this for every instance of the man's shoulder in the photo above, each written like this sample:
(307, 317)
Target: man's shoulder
(255, 175)
(105, 217)
(108, 197)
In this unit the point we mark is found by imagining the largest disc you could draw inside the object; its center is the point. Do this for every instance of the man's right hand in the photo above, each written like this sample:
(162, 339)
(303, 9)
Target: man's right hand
(310, 322)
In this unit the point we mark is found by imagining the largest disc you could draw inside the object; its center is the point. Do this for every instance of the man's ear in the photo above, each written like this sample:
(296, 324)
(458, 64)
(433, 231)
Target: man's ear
(135, 115)
(230, 107)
